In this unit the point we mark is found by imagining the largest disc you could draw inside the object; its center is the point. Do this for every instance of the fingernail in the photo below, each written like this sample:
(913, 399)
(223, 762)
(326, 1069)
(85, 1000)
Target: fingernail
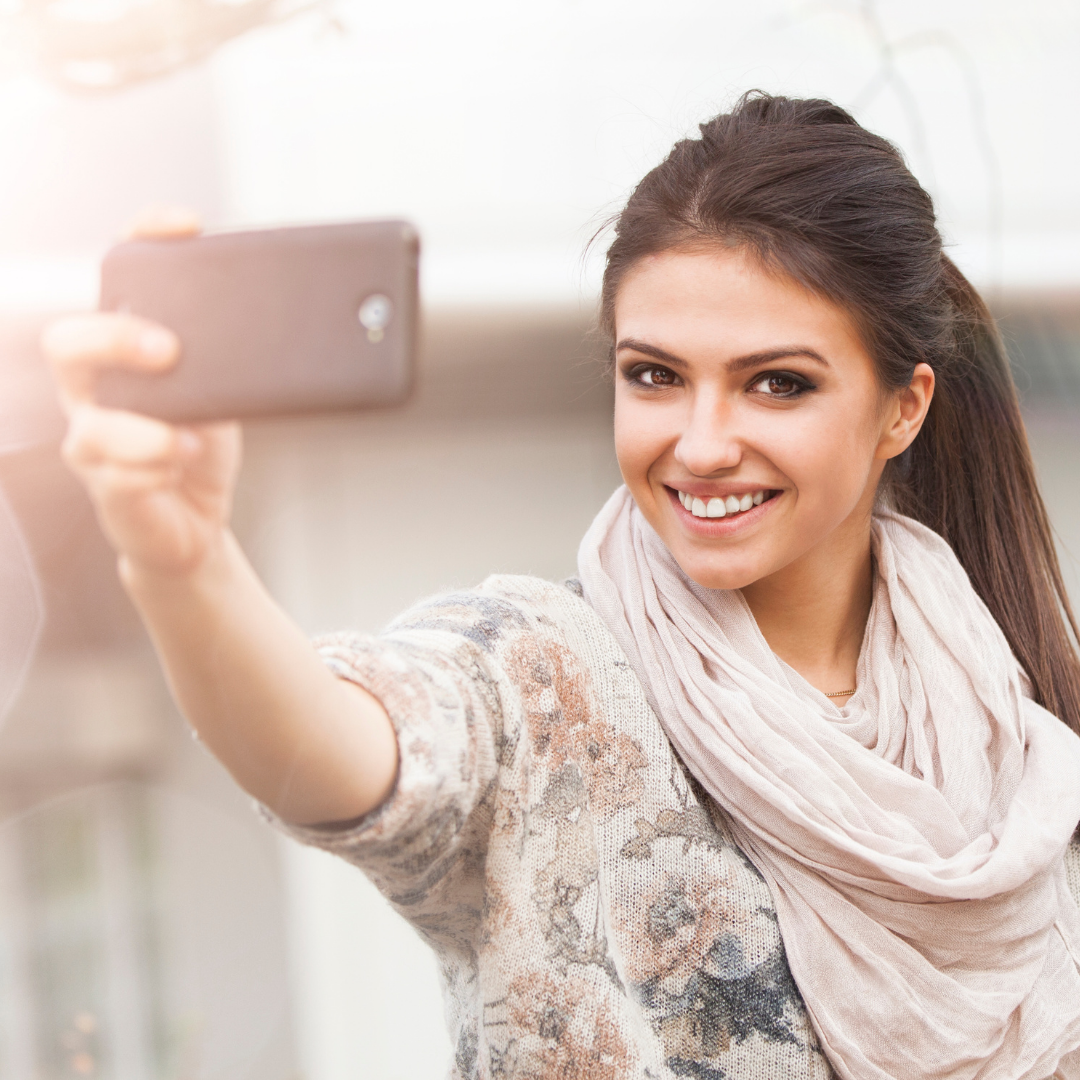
(157, 344)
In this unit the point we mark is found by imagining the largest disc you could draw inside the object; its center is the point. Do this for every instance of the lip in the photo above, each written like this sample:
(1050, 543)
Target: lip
(701, 491)
(725, 526)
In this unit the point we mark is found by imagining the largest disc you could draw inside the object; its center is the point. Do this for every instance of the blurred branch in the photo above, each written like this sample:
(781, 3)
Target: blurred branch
(91, 46)
(931, 39)
(888, 76)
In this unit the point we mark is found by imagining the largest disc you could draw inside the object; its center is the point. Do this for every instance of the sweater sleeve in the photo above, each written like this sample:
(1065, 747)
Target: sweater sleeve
(438, 673)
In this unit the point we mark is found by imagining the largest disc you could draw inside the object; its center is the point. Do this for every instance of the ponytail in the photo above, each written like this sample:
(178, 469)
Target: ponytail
(969, 477)
(813, 194)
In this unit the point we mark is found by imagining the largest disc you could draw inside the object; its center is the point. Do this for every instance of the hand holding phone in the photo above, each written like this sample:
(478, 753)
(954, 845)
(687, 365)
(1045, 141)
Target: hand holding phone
(162, 493)
(205, 328)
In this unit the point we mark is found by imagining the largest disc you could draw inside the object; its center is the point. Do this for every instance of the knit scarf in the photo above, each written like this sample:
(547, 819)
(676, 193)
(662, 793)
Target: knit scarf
(913, 840)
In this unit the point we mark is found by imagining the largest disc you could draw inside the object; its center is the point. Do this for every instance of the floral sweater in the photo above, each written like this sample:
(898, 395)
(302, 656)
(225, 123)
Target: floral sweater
(591, 916)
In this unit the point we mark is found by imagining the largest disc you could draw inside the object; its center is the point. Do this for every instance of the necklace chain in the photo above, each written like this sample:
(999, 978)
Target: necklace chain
(842, 693)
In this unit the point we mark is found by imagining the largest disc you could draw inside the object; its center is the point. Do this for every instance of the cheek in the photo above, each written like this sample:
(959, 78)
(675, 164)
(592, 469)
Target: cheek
(642, 436)
(828, 456)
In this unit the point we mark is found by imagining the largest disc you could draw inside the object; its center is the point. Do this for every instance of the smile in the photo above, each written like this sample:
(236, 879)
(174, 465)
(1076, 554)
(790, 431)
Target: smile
(721, 507)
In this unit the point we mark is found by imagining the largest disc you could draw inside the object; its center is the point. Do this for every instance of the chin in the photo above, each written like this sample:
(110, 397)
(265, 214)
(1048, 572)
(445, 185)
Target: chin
(716, 573)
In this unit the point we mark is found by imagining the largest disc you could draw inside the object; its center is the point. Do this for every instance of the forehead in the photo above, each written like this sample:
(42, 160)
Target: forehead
(722, 301)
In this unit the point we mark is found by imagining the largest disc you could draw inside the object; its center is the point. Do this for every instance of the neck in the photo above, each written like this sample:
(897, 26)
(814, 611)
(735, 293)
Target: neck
(813, 612)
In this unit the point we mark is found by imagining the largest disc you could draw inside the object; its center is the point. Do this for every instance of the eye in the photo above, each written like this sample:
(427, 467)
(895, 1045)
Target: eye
(652, 375)
(781, 384)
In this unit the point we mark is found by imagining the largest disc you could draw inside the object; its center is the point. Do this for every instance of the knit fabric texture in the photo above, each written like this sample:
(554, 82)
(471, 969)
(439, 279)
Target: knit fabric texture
(589, 911)
(940, 799)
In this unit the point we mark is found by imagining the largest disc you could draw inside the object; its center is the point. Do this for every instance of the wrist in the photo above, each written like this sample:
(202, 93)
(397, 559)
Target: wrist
(143, 580)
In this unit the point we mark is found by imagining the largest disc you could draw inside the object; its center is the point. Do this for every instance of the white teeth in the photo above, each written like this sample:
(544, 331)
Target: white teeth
(717, 507)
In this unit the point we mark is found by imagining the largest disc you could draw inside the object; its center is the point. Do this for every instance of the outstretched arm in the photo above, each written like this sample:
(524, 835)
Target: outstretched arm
(310, 746)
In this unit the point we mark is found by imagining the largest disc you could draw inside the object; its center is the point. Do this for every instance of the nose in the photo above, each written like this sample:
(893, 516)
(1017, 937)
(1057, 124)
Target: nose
(710, 442)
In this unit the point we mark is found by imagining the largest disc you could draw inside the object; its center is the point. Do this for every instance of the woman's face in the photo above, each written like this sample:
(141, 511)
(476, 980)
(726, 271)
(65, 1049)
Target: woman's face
(750, 426)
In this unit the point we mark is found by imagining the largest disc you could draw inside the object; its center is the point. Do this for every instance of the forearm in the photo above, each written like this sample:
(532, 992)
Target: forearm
(309, 745)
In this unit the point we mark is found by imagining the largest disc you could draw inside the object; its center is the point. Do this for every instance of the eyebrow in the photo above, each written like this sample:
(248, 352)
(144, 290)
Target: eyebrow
(740, 363)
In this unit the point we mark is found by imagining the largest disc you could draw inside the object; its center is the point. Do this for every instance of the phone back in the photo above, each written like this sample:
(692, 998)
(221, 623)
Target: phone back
(271, 322)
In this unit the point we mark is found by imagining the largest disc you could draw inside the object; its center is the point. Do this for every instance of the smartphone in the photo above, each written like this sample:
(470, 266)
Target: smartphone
(271, 322)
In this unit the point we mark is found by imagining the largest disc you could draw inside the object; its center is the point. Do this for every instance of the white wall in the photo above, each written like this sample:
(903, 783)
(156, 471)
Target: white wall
(512, 127)
(508, 131)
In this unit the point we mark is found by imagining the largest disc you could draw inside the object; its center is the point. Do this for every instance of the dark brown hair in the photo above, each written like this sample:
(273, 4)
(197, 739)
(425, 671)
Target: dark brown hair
(813, 194)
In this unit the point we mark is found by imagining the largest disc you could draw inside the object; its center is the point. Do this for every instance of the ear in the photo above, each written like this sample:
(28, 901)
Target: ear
(905, 413)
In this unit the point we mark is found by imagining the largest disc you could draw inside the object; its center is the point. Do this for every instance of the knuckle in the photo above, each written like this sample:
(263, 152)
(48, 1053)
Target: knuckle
(71, 451)
(141, 441)
(57, 339)
(77, 339)
(164, 221)
(76, 445)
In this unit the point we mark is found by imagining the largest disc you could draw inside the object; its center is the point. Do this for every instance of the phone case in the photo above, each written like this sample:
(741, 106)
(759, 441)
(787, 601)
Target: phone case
(271, 322)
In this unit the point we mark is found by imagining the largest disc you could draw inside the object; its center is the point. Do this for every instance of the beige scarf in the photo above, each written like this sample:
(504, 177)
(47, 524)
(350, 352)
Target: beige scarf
(914, 839)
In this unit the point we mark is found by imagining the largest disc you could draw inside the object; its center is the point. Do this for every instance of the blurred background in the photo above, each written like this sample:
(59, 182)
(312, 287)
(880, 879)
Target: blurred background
(150, 925)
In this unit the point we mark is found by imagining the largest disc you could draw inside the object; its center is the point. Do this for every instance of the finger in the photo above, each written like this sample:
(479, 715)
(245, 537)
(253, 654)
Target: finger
(108, 436)
(210, 473)
(164, 222)
(77, 346)
(111, 483)
(213, 446)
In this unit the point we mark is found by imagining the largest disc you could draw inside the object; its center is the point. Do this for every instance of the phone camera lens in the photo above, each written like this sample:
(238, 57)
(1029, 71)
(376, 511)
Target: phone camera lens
(374, 315)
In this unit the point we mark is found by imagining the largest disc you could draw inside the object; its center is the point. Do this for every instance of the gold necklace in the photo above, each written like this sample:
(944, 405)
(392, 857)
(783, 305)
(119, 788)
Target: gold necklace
(842, 693)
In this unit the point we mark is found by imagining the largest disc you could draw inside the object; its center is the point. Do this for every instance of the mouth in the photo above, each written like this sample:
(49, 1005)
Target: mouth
(727, 506)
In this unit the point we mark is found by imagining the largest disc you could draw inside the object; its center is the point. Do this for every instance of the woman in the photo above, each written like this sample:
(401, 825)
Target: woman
(787, 782)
